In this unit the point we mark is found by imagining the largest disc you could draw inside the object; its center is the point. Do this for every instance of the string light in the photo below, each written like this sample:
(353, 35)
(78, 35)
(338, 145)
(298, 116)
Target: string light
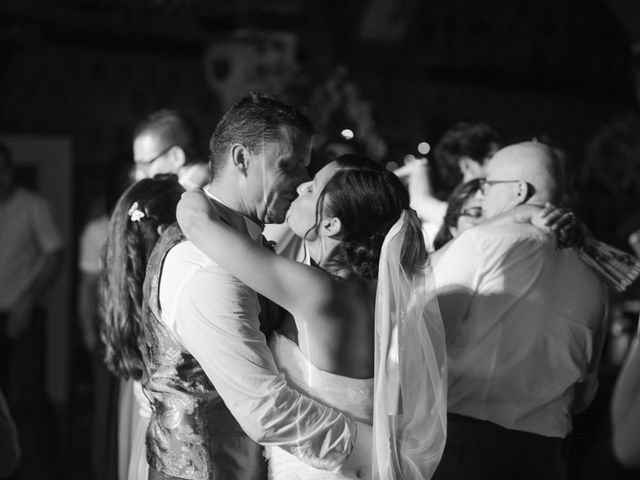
(347, 134)
(424, 148)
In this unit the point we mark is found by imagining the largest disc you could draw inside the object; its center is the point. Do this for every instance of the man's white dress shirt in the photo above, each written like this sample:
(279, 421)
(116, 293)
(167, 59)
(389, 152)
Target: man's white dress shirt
(525, 323)
(28, 232)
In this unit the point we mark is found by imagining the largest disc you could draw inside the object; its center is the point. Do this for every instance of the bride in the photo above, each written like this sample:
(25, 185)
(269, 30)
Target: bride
(364, 333)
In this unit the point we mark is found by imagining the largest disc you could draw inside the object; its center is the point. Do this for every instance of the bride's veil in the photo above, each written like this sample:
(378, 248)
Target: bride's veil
(410, 402)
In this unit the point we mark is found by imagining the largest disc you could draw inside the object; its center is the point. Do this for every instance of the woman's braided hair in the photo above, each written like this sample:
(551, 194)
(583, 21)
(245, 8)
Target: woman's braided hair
(368, 200)
(133, 232)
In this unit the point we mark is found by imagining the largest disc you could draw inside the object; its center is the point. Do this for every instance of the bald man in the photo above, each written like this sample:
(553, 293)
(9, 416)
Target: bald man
(525, 323)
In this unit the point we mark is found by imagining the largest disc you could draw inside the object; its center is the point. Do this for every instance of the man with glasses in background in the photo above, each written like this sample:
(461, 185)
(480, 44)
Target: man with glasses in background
(525, 323)
(166, 141)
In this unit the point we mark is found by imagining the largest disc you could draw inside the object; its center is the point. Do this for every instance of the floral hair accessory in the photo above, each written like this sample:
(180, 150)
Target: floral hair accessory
(134, 213)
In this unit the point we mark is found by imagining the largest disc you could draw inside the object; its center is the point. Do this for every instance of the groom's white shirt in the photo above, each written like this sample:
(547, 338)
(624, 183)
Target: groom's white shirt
(215, 317)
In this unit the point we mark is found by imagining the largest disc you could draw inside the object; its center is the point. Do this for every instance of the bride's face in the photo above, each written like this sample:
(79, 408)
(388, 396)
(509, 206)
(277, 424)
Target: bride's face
(301, 216)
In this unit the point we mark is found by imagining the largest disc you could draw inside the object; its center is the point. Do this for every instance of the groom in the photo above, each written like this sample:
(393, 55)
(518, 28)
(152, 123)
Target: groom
(209, 373)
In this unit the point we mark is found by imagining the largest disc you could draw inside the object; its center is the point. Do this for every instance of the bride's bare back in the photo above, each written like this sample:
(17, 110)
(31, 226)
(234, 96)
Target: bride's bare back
(341, 341)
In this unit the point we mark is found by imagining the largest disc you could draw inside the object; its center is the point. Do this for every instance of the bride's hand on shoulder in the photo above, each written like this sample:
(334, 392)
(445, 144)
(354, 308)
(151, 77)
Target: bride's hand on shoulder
(569, 230)
(529, 213)
(193, 208)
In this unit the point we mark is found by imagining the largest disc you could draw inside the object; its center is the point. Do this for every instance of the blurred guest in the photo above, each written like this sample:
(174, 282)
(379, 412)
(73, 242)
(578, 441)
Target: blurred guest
(625, 412)
(141, 214)
(335, 147)
(464, 210)
(105, 390)
(118, 176)
(634, 242)
(30, 258)
(167, 141)
(462, 152)
(525, 324)
(9, 447)
(460, 156)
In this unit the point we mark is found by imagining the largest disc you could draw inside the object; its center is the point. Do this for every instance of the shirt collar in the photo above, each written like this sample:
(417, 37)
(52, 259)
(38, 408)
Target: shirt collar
(194, 176)
(253, 228)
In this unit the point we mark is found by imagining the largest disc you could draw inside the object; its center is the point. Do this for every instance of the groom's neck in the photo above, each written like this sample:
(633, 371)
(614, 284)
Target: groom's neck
(228, 193)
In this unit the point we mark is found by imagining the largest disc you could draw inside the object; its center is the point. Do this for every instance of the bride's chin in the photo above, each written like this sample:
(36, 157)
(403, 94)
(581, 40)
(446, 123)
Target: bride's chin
(290, 225)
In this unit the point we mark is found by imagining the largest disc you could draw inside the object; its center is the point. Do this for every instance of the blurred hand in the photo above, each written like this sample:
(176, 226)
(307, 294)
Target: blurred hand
(411, 166)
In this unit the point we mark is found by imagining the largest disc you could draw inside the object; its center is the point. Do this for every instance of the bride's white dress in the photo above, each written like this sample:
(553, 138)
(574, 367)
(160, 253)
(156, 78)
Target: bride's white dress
(351, 396)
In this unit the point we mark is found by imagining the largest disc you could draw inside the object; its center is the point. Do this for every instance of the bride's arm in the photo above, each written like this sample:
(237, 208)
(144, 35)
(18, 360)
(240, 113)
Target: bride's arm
(290, 284)
(569, 230)
(545, 217)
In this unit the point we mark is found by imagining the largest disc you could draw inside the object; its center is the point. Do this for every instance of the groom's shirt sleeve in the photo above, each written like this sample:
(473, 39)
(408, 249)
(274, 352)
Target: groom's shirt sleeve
(215, 317)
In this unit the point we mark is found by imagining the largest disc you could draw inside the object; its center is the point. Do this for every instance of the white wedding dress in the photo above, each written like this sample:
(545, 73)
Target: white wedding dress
(409, 388)
(349, 395)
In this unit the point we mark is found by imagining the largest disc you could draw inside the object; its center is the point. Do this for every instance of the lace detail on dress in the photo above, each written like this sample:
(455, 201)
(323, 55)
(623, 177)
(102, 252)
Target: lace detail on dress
(352, 396)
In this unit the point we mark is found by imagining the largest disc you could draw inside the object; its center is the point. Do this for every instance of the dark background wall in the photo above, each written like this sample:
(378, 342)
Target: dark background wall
(90, 69)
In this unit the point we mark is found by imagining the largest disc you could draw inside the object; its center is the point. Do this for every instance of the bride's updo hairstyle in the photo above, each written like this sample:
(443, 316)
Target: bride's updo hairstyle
(368, 200)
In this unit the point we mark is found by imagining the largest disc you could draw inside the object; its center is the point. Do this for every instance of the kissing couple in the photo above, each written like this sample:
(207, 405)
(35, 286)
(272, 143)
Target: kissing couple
(352, 382)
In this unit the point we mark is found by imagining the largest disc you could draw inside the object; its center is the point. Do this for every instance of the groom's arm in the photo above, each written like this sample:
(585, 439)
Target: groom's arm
(216, 319)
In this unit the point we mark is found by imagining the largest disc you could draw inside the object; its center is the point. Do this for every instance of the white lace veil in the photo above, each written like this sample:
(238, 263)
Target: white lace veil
(410, 402)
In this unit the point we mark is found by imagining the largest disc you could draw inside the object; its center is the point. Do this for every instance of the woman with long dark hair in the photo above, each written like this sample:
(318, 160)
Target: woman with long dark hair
(140, 215)
(464, 210)
(365, 334)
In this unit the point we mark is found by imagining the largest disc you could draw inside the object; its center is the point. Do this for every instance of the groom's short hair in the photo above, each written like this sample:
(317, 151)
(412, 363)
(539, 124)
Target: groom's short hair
(251, 121)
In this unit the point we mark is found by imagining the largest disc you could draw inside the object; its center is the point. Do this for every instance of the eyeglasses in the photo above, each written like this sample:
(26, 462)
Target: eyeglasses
(472, 212)
(485, 184)
(146, 163)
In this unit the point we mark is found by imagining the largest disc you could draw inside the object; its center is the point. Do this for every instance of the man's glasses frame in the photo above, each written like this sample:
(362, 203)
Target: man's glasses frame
(151, 160)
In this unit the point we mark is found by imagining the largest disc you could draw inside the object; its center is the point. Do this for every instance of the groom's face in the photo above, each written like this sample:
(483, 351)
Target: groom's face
(279, 169)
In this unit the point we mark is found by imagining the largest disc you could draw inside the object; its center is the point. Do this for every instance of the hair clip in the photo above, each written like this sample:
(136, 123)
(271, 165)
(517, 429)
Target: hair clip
(134, 213)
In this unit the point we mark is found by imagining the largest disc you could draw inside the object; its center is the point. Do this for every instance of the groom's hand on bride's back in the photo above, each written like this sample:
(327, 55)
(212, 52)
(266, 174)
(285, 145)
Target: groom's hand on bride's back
(358, 464)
